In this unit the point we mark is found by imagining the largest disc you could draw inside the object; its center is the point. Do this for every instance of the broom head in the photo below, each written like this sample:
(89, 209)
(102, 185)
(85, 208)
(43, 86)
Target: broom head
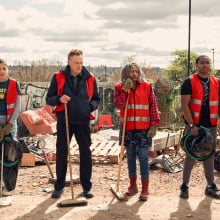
(118, 195)
(72, 202)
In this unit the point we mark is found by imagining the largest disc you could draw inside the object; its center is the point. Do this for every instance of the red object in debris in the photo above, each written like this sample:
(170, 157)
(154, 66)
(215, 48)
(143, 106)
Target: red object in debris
(40, 120)
(50, 156)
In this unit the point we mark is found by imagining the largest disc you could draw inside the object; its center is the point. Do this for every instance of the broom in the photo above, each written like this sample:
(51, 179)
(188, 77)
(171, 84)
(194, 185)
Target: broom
(70, 202)
(114, 191)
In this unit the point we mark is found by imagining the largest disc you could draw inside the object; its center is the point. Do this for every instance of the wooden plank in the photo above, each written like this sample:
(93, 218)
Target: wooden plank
(98, 148)
(28, 160)
(102, 152)
(159, 141)
(114, 155)
(115, 149)
(94, 146)
(106, 148)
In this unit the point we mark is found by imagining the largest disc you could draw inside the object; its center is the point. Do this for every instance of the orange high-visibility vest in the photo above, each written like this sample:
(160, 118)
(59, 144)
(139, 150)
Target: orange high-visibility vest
(61, 78)
(197, 98)
(138, 114)
(11, 97)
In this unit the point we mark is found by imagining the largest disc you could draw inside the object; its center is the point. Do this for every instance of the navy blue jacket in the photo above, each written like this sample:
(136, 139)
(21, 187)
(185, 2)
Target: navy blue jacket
(78, 106)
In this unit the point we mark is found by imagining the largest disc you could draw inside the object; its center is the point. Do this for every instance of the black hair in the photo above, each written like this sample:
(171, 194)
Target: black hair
(2, 61)
(197, 59)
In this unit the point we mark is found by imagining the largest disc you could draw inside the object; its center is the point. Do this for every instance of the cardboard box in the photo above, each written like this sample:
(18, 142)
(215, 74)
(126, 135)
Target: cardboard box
(28, 160)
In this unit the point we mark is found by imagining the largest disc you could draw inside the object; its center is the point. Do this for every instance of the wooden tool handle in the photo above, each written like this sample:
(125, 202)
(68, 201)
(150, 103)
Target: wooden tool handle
(68, 145)
(48, 164)
(122, 142)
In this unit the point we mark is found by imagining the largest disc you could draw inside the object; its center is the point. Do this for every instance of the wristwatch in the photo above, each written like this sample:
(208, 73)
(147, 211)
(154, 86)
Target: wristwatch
(191, 125)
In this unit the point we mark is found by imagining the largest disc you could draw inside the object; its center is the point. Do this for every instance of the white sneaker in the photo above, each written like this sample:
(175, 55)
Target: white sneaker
(5, 192)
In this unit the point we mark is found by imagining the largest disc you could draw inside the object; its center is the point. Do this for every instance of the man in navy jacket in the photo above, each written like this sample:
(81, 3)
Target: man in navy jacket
(76, 87)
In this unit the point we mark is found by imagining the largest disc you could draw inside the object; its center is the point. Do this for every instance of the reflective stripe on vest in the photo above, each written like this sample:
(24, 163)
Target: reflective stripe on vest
(196, 101)
(146, 107)
(137, 119)
(61, 78)
(11, 97)
(197, 97)
(138, 116)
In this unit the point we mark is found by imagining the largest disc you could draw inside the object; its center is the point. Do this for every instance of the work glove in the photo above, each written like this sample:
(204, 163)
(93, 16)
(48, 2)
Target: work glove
(152, 131)
(5, 131)
(127, 85)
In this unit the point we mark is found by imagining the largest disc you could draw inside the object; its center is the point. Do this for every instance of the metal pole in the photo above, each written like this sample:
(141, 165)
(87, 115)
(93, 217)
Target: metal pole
(213, 52)
(189, 37)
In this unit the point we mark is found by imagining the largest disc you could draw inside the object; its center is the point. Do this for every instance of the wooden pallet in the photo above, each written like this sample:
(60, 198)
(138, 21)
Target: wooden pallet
(102, 152)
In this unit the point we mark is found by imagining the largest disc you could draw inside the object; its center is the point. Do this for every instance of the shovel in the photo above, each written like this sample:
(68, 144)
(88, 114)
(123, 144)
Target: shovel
(113, 189)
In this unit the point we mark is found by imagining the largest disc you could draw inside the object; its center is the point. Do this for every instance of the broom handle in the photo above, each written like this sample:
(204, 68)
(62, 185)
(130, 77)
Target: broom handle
(48, 164)
(122, 142)
(2, 167)
(68, 145)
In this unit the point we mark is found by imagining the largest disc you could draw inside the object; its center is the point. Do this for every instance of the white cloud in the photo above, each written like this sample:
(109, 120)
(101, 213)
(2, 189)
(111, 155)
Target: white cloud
(107, 31)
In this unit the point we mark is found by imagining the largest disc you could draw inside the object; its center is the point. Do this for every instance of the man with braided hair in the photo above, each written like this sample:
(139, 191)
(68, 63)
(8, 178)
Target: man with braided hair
(141, 123)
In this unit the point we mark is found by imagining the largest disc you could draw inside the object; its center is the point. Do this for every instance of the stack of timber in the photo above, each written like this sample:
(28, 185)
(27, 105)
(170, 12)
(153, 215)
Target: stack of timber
(102, 152)
(108, 152)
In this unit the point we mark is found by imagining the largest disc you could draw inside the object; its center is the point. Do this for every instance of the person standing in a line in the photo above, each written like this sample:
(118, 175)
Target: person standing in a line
(141, 123)
(10, 108)
(76, 87)
(200, 104)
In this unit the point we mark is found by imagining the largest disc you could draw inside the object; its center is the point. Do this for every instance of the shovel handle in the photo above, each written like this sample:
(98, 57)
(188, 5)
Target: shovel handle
(122, 142)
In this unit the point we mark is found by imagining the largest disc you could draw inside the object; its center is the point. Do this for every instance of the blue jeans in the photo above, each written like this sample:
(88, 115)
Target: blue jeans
(131, 153)
(136, 144)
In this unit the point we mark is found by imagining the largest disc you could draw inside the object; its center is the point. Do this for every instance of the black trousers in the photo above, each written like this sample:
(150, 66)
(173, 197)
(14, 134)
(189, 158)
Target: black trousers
(83, 138)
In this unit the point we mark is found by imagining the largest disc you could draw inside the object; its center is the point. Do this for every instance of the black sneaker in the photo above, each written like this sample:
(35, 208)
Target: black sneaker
(212, 191)
(184, 191)
(88, 194)
(57, 194)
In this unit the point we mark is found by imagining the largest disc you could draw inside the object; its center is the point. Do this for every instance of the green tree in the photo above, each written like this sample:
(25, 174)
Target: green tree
(178, 68)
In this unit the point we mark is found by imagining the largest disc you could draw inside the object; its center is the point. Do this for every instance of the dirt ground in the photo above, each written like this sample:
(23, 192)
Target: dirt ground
(30, 202)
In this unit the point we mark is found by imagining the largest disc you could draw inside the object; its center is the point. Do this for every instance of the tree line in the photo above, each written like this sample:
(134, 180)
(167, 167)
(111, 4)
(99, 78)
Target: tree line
(42, 70)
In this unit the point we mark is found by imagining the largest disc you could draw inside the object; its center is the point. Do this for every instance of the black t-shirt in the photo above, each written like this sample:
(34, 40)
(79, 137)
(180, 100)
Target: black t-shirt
(186, 89)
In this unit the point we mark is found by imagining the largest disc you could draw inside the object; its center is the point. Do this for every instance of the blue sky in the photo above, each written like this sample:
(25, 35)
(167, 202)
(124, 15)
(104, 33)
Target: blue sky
(107, 31)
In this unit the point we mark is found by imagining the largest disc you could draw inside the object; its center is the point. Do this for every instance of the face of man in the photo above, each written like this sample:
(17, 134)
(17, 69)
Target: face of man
(3, 71)
(76, 64)
(133, 74)
(203, 65)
